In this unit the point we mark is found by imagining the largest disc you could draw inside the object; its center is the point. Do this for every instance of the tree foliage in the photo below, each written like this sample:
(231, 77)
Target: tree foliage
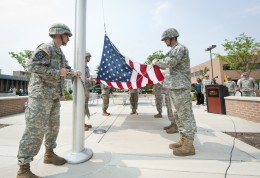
(155, 55)
(242, 53)
(204, 71)
(22, 57)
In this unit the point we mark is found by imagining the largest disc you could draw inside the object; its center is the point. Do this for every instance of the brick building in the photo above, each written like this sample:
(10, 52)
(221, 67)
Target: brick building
(220, 69)
(19, 80)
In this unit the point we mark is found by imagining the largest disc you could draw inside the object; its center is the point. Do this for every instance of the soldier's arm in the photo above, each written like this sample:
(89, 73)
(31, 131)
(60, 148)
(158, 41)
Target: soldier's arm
(173, 59)
(40, 64)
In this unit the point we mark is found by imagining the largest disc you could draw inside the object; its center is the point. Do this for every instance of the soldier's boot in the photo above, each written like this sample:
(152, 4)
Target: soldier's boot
(134, 112)
(172, 129)
(167, 127)
(159, 115)
(186, 149)
(25, 172)
(89, 126)
(51, 158)
(105, 113)
(178, 144)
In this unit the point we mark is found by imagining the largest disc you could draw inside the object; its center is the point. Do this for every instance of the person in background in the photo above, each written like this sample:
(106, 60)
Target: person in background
(133, 100)
(205, 81)
(157, 91)
(48, 68)
(179, 85)
(105, 97)
(88, 82)
(199, 95)
(247, 85)
(231, 85)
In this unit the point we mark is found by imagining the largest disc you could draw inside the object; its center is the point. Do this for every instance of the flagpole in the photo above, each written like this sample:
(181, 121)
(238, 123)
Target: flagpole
(79, 154)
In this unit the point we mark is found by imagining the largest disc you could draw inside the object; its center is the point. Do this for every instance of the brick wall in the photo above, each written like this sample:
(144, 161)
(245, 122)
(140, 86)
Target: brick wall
(243, 107)
(12, 105)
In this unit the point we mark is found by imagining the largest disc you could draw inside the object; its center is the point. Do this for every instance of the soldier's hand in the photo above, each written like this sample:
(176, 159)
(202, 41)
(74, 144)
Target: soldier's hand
(154, 61)
(63, 72)
(77, 73)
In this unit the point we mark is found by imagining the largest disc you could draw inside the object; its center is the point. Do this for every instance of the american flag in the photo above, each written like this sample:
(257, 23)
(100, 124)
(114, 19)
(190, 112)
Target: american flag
(118, 71)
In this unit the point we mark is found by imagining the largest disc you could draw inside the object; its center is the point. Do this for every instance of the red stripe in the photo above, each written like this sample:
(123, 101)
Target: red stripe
(131, 64)
(158, 73)
(143, 69)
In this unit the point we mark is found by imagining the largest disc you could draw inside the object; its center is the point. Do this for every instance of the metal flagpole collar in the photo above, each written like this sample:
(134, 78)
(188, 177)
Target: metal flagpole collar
(99, 131)
(79, 157)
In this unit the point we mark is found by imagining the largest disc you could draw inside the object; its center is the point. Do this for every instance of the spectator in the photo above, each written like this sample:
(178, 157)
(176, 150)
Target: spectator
(199, 95)
(205, 81)
(231, 85)
(247, 85)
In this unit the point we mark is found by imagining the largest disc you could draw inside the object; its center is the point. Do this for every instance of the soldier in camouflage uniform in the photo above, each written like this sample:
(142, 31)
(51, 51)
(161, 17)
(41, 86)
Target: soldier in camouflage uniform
(133, 100)
(171, 111)
(231, 85)
(88, 82)
(105, 97)
(157, 91)
(247, 85)
(179, 85)
(48, 68)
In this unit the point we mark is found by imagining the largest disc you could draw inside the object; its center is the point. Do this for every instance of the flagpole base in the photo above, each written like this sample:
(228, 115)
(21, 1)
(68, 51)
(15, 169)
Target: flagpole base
(76, 158)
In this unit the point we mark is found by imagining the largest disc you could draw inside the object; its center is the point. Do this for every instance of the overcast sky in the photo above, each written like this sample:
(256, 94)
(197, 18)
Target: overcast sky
(134, 26)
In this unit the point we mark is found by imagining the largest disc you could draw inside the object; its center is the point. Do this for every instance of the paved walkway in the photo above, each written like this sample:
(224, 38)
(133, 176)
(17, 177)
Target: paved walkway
(136, 146)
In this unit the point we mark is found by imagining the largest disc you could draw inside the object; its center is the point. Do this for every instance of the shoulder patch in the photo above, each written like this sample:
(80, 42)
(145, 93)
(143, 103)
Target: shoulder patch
(40, 55)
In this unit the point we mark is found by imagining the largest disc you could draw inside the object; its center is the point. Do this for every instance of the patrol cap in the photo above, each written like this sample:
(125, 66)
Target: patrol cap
(170, 33)
(206, 75)
(59, 29)
(228, 77)
(87, 54)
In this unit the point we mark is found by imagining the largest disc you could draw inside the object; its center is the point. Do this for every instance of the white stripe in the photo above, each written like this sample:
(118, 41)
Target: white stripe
(151, 74)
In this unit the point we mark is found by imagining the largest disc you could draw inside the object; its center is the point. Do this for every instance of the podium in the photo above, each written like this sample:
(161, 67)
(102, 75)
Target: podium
(215, 98)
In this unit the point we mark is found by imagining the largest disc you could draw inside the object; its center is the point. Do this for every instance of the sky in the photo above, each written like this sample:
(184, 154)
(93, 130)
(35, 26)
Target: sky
(134, 26)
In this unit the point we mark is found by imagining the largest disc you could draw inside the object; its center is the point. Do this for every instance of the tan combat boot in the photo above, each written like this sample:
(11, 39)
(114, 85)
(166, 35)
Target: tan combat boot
(51, 158)
(159, 115)
(105, 113)
(178, 144)
(186, 149)
(167, 127)
(172, 129)
(25, 172)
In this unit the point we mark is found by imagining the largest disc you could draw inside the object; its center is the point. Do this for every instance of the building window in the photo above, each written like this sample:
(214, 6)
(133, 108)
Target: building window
(226, 67)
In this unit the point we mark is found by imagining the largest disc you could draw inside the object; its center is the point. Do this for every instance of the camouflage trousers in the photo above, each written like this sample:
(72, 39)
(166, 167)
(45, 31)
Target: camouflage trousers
(105, 98)
(86, 103)
(42, 119)
(158, 102)
(247, 93)
(185, 120)
(171, 111)
(134, 101)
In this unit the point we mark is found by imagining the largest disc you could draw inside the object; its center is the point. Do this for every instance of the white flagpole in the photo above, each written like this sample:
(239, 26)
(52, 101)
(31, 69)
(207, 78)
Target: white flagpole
(79, 154)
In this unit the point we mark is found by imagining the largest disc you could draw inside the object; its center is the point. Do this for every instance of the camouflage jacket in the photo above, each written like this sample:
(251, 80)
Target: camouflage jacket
(87, 76)
(105, 89)
(44, 66)
(178, 62)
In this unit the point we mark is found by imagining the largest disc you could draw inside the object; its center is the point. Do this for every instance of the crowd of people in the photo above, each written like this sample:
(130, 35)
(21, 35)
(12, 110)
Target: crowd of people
(46, 87)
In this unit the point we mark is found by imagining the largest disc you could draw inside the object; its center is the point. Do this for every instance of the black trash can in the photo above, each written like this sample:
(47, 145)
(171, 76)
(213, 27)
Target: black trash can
(215, 98)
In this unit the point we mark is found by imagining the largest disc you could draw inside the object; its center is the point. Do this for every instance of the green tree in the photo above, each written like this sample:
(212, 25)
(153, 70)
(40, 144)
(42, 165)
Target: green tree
(241, 53)
(204, 71)
(155, 55)
(22, 57)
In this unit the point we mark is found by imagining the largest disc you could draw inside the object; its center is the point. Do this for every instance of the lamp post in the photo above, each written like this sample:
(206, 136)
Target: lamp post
(209, 49)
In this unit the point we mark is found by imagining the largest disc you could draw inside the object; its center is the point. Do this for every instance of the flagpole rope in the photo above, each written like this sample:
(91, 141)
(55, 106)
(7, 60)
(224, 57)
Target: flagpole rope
(104, 17)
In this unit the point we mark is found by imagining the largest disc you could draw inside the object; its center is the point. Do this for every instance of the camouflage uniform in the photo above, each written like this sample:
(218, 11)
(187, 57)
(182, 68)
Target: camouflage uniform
(133, 99)
(157, 91)
(87, 85)
(105, 96)
(171, 111)
(232, 87)
(247, 86)
(178, 83)
(42, 113)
